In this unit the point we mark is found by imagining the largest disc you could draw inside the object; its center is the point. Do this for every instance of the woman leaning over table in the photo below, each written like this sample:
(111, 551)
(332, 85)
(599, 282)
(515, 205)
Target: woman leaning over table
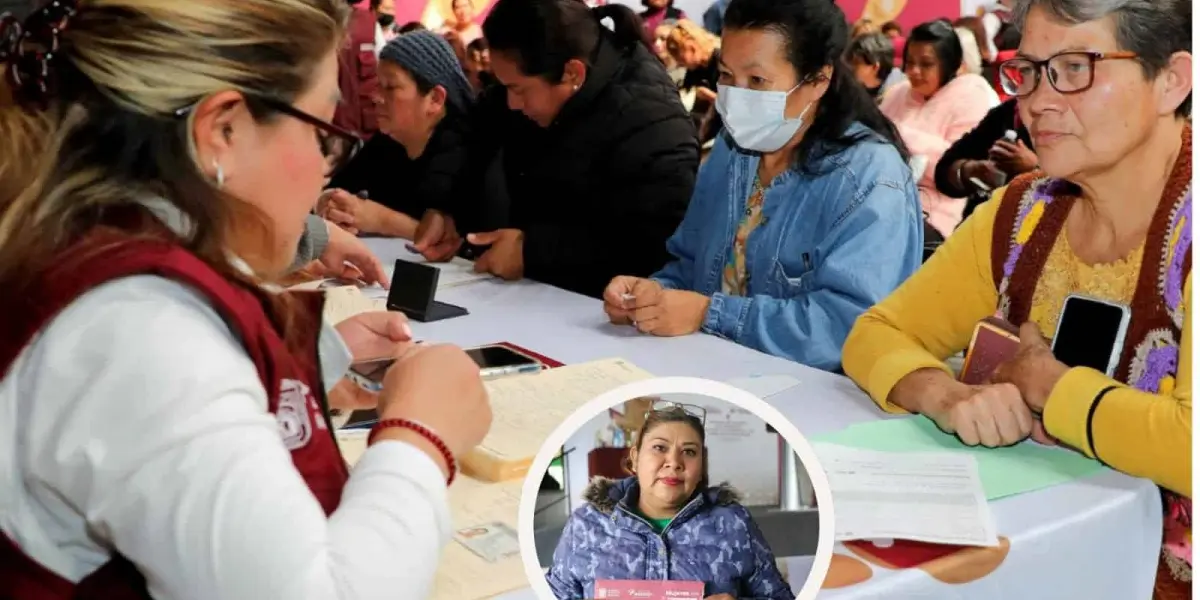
(804, 215)
(164, 428)
(666, 522)
(1110, 218)
(418, 162)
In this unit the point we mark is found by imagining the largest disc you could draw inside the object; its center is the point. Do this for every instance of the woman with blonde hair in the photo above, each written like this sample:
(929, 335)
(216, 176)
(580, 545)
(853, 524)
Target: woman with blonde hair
(165, 427)
(695, 49)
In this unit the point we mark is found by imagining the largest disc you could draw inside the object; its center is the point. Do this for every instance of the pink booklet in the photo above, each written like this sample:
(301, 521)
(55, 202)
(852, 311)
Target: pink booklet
(649, 590)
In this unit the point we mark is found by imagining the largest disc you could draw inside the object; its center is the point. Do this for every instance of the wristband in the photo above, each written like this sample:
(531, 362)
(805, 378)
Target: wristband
(424, 432)
(962, 185)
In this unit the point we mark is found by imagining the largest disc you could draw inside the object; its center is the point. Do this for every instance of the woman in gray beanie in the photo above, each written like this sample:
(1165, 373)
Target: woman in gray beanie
(415, 162)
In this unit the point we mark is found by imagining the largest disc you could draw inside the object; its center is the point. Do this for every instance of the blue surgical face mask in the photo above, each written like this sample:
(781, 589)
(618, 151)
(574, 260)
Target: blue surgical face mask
(757, 119)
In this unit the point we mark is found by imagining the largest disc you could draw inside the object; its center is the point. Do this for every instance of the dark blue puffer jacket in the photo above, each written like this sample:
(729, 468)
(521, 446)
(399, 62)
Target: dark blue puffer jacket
(712, 539)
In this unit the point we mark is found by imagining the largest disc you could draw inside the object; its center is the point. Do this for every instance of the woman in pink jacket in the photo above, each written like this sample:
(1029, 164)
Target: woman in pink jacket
(934, 108)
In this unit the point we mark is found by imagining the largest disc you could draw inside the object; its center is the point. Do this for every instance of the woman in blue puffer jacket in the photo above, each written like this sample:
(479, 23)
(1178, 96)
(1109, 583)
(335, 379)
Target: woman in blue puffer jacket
(666, 523)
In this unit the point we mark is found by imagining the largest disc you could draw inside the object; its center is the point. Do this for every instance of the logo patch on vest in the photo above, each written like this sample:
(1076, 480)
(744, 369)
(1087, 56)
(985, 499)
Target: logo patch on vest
(293, 415)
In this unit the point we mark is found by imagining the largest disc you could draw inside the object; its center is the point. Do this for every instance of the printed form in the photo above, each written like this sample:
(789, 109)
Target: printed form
(934, 497)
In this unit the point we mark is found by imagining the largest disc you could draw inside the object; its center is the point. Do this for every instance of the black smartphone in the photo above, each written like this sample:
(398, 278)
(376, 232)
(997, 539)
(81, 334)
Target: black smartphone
(1091, 333)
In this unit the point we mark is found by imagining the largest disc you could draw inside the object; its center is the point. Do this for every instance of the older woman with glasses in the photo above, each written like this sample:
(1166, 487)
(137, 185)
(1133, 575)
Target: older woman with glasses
(1105, 90)
(665, 522)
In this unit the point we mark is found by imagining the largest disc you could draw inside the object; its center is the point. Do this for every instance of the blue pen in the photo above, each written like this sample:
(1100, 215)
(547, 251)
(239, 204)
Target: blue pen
(497, 372)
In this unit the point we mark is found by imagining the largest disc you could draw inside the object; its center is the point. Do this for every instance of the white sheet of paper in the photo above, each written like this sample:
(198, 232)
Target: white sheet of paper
(932, 497)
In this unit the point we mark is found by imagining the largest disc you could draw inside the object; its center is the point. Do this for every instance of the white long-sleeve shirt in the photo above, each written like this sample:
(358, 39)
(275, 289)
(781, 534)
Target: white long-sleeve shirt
(136, 421)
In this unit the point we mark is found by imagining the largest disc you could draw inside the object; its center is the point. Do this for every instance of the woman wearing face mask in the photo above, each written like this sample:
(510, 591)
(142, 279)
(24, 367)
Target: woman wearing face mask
(666, 522)
(804, 215)
(166, 430)
(417, 163)
(935, 107)
(385, 16)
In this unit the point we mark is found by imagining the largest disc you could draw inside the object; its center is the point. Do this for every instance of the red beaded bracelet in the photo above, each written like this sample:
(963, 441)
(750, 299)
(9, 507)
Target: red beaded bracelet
(424, 432)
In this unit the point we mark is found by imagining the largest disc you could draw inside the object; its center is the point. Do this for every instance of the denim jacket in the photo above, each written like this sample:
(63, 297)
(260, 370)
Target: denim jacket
(712, 540)
(829, 246)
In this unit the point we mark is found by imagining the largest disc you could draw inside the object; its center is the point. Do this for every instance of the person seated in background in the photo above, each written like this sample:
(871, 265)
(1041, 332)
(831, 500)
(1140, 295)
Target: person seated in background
(419, 161)
(628, 527)
(166, 431)
(463, 26)
(699, 52)
(986, 156)
(478, 67)
(895, 32)
(597, 154)
(805, 214)
(870, 56)
(935, 107)
(1108, 217)
(659, 12)
(385, 18)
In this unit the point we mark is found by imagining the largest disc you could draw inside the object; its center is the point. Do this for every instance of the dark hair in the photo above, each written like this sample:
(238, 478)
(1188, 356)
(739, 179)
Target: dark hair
(655, 418)
(946, 45)
(873, 49)
(975, 26)
(1153, 29)
(891, 26)
(412, 26)
(816, 34)
(477, 45)
(542, 35)
(1008, 38)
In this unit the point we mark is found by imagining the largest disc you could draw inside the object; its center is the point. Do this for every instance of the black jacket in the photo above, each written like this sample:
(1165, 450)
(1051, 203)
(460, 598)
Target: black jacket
(434, 180)
(600, 190)
(974, 145)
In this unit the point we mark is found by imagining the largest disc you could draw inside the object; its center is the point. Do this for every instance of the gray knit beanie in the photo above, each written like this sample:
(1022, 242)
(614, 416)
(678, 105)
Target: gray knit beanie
(430, 57)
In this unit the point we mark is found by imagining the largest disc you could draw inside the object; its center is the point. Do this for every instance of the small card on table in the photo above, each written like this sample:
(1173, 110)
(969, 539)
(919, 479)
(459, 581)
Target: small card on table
(489, 541)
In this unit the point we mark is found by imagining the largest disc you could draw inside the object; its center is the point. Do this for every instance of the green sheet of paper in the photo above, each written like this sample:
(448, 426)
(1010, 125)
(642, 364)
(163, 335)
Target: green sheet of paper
(1026, 467)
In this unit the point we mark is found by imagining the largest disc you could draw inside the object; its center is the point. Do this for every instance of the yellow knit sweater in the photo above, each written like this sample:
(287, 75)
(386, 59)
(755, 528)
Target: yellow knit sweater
(932, 316)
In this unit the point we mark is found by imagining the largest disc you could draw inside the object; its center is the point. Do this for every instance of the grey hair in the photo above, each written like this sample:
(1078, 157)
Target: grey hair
(873, 49)
(1153, 29)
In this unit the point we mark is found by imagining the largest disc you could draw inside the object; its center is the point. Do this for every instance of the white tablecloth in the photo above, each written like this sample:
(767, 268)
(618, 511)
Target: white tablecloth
(1096, 538)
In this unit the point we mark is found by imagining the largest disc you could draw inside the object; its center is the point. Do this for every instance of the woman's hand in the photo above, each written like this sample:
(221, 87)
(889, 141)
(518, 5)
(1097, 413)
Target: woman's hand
(672, 313)
(440, 387)
(984, 415)
(375, 335)
(344, 209)
(705, 94)
(620, 295)
(1013, 158)
(348, 396)
(1033, 370)
(983, 170)
(437, 237)
(347, 257)
(988, 415)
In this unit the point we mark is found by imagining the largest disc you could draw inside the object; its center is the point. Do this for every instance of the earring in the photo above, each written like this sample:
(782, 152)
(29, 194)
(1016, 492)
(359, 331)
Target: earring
(575, 88)
(220, 174)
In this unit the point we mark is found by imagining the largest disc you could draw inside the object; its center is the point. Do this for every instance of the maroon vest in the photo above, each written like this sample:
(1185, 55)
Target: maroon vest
(292, 380)
(358, 77)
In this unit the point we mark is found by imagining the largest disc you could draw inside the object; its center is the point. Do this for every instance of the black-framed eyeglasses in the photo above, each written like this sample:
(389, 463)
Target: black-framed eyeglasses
(1068, 72)
(668, 406)
(338, 146)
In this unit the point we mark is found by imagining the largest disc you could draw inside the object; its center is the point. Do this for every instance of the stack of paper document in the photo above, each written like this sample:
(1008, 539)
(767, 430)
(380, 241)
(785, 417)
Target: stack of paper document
(921, 496)
(526, 409)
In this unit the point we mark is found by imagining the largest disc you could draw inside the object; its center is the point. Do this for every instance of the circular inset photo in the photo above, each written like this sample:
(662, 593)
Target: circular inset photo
(676, 488)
